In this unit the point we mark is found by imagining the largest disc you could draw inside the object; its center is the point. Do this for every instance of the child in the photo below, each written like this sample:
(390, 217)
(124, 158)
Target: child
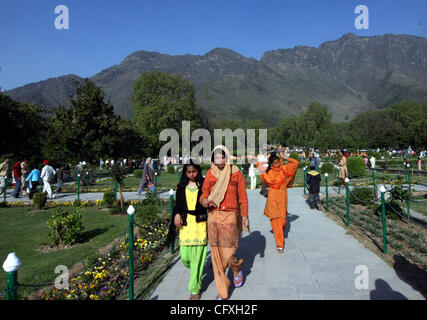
(278, 178)
(190, 217)
(33, 179)
(313, 185)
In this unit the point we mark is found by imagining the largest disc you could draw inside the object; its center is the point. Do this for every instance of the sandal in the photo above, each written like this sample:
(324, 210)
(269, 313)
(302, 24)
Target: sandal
(219, 298)
(280, 250)
(238, 281)
(195, 296)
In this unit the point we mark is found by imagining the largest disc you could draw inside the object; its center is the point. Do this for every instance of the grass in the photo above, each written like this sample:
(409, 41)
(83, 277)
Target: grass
(25, 232)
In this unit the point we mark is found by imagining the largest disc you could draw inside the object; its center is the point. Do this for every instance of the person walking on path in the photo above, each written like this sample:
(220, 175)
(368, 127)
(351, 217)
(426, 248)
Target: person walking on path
(419, 165)
(279, 178)
(190, 217)
(262, 167)
(5, 172)
(48, 173)
(224, 194)
(60, 178)
(17, 174)
(342, 163)
(147, 177)
(33, 180)
(24, 174)
(313, 186)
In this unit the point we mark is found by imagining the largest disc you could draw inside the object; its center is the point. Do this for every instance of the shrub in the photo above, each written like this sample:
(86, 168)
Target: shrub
(65, 227)
(391, 210)
(302, 164)
(327, 167)
(77, 203)
(109, 199)
(137, 173)
(356, 167)
(361, 195)
(147, 214)
(39, 200)
(170, 169)
(295, 155)
(151, 198)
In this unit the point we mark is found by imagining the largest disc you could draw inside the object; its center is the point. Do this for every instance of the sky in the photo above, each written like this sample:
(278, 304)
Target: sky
(103, 32)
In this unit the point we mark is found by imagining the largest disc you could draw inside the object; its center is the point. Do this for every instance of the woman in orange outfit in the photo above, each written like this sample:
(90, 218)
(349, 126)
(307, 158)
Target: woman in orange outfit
(224, 194)
(278, 177)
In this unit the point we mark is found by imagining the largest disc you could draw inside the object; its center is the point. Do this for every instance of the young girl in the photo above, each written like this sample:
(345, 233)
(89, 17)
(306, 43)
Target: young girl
(278, 178)
(190, 217)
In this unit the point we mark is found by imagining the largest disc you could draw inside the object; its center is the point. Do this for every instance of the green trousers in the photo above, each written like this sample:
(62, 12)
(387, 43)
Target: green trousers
(193, 257)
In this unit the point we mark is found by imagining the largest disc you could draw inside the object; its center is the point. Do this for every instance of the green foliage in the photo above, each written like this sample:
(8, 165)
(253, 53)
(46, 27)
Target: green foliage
(77, 203)
(161, 100)
(327, 167)
(39, 200)
(119, 173)
(391, 211)
(147, 214)
(151, 198)
(361, 195)
(88, 129)
(303, 164)
(65, 227)
(356, 167)
(137, 173)
(109, 199)
(170, 169)
(295, 155)
(25, 123)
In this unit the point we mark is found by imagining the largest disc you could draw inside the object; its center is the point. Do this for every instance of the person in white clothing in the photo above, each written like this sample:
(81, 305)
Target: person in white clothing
(252, 175)
(47, 174)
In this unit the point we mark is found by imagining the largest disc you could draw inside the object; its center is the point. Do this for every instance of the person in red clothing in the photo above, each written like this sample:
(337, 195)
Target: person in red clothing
(17, 173)
(224, 194)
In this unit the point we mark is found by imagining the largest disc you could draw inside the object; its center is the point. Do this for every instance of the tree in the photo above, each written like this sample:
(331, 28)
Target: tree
(162, 101)
(88, 130)
(22, 129)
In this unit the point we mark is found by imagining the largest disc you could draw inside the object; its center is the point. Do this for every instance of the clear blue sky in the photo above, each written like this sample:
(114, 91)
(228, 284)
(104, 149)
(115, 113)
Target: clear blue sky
(103, 32)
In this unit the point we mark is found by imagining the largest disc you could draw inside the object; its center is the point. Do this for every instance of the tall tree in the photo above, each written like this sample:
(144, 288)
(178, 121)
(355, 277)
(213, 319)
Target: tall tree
(162, 101)
(87, 130)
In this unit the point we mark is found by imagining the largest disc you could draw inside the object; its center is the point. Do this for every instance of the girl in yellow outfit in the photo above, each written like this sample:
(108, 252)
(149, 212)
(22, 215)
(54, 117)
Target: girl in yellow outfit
(190, 217)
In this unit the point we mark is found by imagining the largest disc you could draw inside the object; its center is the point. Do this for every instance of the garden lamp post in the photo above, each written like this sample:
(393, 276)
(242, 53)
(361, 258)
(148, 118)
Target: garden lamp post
(172, 236)
(326, 186)
(347, 180)
(5, 189)
(11, 266)
(407, 200)
(78, 187)
(87, 181)
(383, 190)
(131, 211)
(305, 179)
(155, 181)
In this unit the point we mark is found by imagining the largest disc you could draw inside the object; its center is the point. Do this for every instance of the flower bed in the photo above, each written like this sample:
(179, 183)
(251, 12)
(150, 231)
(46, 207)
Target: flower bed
(108, 278)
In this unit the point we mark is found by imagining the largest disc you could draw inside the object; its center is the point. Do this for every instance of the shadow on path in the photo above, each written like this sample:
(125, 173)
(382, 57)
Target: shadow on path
(88, 235)
(290, 218)
(383, 291)
(411, 274)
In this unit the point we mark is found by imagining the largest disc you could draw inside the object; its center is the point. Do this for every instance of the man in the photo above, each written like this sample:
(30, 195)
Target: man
(47, 175)
(17, 173)
(4, 173)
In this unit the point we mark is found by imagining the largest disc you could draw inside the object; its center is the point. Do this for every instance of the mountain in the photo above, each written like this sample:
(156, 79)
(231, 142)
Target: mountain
(350, 75)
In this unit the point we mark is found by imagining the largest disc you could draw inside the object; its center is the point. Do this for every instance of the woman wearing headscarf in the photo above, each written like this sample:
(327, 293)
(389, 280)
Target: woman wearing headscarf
(278, 177)
(224, 194)
(147, 177)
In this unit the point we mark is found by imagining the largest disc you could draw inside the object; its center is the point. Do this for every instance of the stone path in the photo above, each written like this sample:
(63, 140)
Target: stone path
(319, 262)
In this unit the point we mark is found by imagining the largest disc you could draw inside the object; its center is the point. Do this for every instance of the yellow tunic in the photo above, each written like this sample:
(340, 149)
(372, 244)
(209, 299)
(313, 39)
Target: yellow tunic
(194, 233)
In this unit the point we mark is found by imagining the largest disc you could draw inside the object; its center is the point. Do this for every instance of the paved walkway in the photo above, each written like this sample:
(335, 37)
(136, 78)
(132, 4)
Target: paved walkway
(319, 262)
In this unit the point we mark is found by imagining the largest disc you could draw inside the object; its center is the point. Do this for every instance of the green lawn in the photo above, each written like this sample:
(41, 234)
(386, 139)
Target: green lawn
(24, 231)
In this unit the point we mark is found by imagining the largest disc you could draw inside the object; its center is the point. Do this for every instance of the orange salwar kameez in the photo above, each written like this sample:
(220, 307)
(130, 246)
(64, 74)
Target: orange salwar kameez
(276, 208)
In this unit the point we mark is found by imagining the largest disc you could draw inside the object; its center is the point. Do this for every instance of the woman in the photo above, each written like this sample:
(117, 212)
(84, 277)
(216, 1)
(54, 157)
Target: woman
(342, 163)
(190, 217)
(224, 194)
(279, 178)
(147, 177)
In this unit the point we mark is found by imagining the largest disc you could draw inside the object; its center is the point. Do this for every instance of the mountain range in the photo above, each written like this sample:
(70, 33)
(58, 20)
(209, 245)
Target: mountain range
(350, 75)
